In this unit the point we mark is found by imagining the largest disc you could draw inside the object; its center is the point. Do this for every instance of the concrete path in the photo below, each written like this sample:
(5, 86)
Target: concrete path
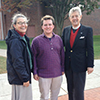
(3, 52)
(91, 94)
(92, 82)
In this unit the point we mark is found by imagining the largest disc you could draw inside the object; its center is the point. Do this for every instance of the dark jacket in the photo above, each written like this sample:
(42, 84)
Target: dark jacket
(81, 55)
(18, 62)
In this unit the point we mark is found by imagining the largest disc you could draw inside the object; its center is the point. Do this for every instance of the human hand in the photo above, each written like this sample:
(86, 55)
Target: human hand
(62, 73)
(36, 77)
(26, 84)
(90, 70)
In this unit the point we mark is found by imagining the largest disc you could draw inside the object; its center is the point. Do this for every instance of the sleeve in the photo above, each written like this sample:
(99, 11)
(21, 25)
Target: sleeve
(90, 51)
(16, 51)
(62, 55)
(63, 37)
(34, 48)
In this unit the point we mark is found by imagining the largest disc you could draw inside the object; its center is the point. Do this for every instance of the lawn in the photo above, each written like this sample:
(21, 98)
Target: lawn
(96, 42)
(2, 65)
(3, 45)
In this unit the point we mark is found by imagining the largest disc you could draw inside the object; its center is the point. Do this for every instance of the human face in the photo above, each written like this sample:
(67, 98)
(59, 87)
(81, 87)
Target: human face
(48, 26)
(21, 25)
(75, 18)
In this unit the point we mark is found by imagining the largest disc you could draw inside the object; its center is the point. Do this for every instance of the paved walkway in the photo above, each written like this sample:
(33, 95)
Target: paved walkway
(91, 94)
(3, 52)
(92, 88)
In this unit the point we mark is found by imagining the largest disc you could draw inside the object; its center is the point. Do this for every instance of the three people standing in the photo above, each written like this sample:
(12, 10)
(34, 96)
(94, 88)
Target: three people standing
(48, 59)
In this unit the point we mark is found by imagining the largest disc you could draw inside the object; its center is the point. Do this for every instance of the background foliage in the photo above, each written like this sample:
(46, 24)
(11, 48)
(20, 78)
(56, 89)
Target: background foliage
(59, 8)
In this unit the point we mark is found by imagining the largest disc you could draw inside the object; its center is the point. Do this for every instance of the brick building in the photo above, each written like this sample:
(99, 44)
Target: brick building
(35, 14)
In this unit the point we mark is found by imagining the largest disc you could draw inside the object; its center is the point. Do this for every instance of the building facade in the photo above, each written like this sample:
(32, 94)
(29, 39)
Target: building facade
(36, 12)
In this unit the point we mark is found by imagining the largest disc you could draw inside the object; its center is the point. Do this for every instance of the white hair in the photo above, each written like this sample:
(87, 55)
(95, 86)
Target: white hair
(16, 16)
(75, 9)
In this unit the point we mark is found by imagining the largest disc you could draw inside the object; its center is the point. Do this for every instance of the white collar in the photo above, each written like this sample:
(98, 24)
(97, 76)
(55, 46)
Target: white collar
(76, 27)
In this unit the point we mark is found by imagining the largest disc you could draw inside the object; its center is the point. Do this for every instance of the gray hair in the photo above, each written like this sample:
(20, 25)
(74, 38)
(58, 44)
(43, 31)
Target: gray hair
(75, 9)
(15, 17)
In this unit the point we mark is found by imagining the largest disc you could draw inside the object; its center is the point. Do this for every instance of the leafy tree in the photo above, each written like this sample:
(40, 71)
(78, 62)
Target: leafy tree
(14, 5)
(60, 9)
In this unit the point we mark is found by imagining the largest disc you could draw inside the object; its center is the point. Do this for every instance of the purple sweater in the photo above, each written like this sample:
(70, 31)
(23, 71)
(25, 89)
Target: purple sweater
(48, 56)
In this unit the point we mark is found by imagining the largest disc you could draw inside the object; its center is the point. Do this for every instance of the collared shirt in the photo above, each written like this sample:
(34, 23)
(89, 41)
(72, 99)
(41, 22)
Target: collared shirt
(48, 56)
(76, 27)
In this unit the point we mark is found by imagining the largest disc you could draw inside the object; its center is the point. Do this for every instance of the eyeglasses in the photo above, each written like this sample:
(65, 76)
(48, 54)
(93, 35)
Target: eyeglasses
(21, 23)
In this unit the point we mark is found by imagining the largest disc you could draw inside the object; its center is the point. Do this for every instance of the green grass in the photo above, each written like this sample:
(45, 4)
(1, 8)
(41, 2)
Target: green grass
(2, 65)
(31, 40)
(3, 45)
(96, 42)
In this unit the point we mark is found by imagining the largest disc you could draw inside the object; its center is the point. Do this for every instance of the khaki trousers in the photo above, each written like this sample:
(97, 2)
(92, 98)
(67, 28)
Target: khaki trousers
(50, 84)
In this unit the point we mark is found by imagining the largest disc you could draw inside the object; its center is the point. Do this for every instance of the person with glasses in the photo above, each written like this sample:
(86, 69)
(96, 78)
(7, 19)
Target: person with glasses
(19, 59)
(79, 54)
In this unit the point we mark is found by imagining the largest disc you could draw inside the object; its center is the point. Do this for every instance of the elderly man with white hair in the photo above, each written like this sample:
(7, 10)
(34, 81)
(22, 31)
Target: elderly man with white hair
(79, 55)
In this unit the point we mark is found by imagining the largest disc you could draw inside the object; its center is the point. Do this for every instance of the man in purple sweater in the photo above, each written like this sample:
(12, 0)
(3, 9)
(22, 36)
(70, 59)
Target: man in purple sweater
(48, 54)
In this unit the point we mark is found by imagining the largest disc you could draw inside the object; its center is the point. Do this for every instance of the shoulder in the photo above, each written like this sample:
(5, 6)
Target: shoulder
(38, 37)
(67, 27)
(57, 36)
(86, 27)
(66, 30)
(14, 41)
(36, 40)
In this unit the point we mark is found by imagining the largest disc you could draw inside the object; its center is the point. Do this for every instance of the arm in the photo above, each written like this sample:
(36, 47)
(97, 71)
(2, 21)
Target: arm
(90, 51)
(34, 48)
(63, 37)
(36, 77)
(62, 55)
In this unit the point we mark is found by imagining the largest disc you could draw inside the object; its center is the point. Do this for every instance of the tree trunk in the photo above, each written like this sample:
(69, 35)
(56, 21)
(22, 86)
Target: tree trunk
(59, 26)
(59, 30)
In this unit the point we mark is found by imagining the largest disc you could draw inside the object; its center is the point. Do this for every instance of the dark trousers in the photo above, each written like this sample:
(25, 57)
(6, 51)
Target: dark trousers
(75, 84)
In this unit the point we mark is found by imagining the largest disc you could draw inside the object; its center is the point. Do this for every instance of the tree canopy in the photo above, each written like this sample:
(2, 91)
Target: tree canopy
(59, 8)
(14, 5)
